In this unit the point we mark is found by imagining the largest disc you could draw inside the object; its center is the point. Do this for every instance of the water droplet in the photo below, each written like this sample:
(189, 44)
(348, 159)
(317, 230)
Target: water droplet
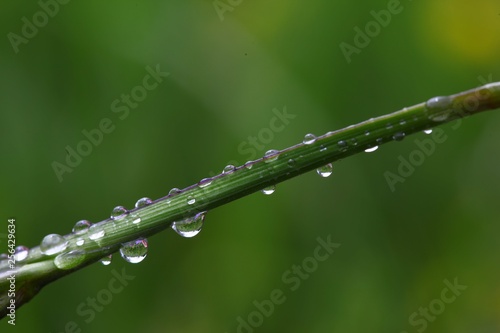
(367, 133)
(353, 142)
(69, 260)
(204, 182)
(325, 170)
(174, 191)
(191, 200)
(388, 126)
(52, 244)
(118, 212)
(269, 190)
(291, 162)
(81, 227)
(249, 165)
(107, 260)
(428, 131)
(372, 149)
(440, 107)
(342, 145)
(398, 136)
(143, 202)
(228, 169)
(80, 242)
(309, 139)
(21, 253)
(96, 231)
(322, 148)
(402, 122)
(379, 140)
(271, 155)
(134, 251)
(190, 226)
(4, 256)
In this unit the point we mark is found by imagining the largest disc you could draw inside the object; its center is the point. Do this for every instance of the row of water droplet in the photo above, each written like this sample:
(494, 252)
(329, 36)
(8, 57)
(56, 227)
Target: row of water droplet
(135, 251)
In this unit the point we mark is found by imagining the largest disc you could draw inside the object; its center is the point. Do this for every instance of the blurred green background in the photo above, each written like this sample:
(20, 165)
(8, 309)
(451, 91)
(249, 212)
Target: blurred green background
(226, 77)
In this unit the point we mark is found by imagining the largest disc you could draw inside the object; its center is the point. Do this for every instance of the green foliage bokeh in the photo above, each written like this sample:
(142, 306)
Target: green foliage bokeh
(226, 78)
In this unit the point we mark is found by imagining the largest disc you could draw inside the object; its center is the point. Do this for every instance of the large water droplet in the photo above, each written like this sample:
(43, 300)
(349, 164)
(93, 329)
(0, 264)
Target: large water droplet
(205, 182)
(228, 169)
(428, 131)
(191, 200)
(325, 170)
(372, 149)
(96, 231)
(81, 227)
(52, 244)
(134, 251)
(190, 226)
(399, 136)
(440, 107)
(309, 139)
(269, 190)
(69, 260)
(271, 155)
(143, 202)
(118, 213)
(107, 260)
(21, 252)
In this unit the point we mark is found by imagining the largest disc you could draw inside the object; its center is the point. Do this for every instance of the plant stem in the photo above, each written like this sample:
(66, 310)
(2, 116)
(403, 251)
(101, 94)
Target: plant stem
(39, 269)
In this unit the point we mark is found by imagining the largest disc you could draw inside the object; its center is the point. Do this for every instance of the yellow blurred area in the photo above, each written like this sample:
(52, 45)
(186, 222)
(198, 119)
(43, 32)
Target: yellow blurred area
(468, 31)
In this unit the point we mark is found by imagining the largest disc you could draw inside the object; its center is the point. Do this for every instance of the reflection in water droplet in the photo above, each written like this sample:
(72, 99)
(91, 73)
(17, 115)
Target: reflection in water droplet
(134, 251)
(309, 139)
(271, 155)
(96, 231)
(269, 190)
(143, 202)
(69, 260)
(21, 252)
(428, 131)
(136, 219)
(325, 170)
(190, 226)
(204, 182)
(372, 149)
(191, 200)
(106, 260)
(228, 169)
(81, 227)
(52, 244)
(118, 212)
(398, 136)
